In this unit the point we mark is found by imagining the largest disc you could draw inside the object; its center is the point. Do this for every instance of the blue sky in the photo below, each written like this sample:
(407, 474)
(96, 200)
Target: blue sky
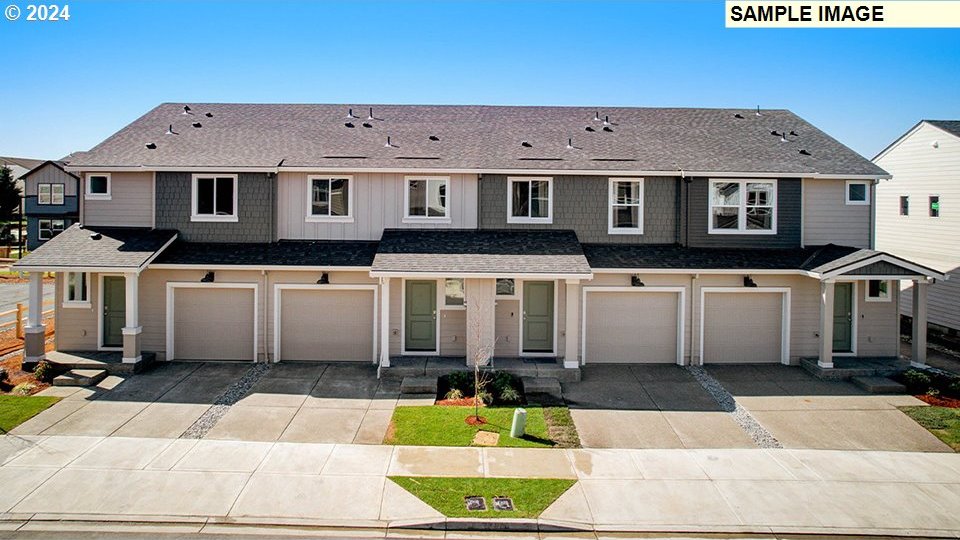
(71, 84)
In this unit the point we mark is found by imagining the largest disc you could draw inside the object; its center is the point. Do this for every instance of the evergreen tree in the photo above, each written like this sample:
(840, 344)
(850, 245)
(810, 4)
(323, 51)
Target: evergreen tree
(9, 195)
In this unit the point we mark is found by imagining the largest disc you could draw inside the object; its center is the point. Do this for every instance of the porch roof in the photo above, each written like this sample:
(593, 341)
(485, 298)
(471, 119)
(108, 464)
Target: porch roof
(285, 253)
(456, 252)
(98, 249)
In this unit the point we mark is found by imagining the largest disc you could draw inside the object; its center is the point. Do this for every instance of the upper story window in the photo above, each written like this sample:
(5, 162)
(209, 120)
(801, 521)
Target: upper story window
(743, 207)
(98, 186)
(48, 228)
(330, 198)
(76, 287)
(858, 192)
(50, 194)
(625, 215)
(904, 205)
(529, 200)
(878, 290)
(426, 199)
(934, 206)
(214, 197)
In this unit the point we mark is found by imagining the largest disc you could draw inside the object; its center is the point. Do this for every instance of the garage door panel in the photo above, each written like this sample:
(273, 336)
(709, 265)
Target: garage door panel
(742, 327)
(213, 324)
(328, 325)
(631, 327)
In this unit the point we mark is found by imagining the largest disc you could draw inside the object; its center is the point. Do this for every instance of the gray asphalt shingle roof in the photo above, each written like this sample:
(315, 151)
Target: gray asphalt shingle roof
(476, 137)
(675, 257)
(318, 253)
(98, 247)
(952, 126)
(451, 251)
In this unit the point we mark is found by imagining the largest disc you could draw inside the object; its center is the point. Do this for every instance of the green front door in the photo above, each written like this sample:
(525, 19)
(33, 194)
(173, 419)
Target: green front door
(420, 326)
(843, 317)
(114, 310)
(538, 316)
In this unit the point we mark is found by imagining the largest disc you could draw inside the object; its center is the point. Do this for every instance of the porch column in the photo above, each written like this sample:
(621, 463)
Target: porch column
(35, 332)
(132, 328)
(384, 322)
(571, 353)
(826, 324)
(481, 319)
(918, 347)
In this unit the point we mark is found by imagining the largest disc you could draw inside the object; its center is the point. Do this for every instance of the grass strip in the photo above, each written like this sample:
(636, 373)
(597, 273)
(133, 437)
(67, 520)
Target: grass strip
(531, 496)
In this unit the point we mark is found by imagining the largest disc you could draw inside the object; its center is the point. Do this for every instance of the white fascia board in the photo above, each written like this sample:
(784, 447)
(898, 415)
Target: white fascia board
(477, 275)
(169, 266)
(884, 257)
(185, 168)
(94, 269)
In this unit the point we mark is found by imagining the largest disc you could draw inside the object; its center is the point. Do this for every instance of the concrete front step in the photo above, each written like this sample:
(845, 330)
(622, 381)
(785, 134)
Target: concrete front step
(541, 385)
(419, 385)
(109, 361)
(80, 377)
(879, 385)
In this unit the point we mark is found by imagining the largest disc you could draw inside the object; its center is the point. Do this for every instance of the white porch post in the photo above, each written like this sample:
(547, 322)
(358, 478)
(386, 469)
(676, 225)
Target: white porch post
(826, 324)
(132, 328)
(35, 331)
(384, 322)
(571, 353)
(918, 348)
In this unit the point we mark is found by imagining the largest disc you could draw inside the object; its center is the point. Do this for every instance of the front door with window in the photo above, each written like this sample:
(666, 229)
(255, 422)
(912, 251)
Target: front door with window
(420, 312)
(114, 310)
(843, 317)
(538, 316)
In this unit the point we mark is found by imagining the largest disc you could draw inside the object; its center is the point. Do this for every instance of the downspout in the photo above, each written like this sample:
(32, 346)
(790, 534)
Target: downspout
(479, 196)
(873, 214)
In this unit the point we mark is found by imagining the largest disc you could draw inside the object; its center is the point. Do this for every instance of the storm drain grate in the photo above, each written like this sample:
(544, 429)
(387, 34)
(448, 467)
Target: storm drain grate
(222, 404)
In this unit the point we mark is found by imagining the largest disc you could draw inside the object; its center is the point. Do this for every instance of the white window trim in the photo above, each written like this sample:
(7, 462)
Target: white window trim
(311, 217)
(611, 200)
(194, 216)
(98, 196)
(407, 218)
(49, 194)
(866, 291)
(50, 228)
(514, 296)
(846, 193)
(63, 194)
(442, 293)
(742, 214)
(930, 196)
(900, 213)
(521, 219)
(79, 304)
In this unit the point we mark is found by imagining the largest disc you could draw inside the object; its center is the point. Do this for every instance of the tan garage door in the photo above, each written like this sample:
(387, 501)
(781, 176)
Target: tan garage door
(741, 328)
(631, 327)
(213, 324)
(328, 325)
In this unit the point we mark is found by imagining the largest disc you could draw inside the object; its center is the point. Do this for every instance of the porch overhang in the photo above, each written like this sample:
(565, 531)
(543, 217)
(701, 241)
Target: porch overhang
(869, 264)
(98, 249)
(294, 255)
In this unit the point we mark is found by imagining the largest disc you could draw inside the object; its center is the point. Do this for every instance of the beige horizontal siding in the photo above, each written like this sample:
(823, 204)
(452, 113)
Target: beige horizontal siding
(507, 328)
(76, 327)
(827, 219)
(453, 332)
(130, 204)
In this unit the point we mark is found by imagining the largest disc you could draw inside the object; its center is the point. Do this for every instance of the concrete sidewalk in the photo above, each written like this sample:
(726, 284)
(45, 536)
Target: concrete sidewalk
(204, 482)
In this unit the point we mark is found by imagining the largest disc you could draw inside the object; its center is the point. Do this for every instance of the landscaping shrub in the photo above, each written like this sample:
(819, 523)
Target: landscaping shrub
(23, 389)
(485, 397)
(453, 394)
(44, 372)
(501, 388)
(509, 394)
(954, 388)
(916, 381)
(3, 375)
(462, 381)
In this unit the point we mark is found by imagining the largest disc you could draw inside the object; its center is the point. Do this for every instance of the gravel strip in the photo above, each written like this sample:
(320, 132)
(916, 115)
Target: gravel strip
(222, 404)
(761, 437)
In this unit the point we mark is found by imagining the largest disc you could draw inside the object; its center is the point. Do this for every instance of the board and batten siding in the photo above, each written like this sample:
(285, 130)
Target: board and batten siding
(377, 205)
(130, 203)
(697, 210)
(50, 174)
(828, 219)
(581, 204)
(920, 170)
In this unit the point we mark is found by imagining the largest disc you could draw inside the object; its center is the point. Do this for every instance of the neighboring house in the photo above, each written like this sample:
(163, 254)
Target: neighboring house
(636, 235)
(917, 212)
(50, 202)
(19, 167)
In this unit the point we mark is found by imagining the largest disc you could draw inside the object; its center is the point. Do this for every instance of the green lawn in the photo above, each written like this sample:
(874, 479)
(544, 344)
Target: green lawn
(15, 410)
(943, 422)
(445, 426)
(531, 496)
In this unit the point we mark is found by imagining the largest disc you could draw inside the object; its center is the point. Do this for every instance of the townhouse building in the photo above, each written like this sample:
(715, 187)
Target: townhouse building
(51, 201)
(549, 234)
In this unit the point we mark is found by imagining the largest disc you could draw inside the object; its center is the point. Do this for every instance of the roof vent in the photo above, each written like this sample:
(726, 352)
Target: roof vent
(367, 125)
(525, 144)
(209, 115)
(350, 115)
(589, 129)
(349, 124)
(608, 129)
(371, 116)
(186, 109)
(775, 133)
(606, 121)
(170, 131)
(596, 116)
(804, 152)
(794, 133)
(783, 137)
(434, 138)
(389, 144)
(95, 236)
(570, 145)
(197, 125)
(151, 146)
(738, 115)
(758, 110)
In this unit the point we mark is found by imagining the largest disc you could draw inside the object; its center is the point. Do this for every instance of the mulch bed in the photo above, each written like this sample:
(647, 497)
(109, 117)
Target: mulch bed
(463, 402)
(939, 401)
(9, 343)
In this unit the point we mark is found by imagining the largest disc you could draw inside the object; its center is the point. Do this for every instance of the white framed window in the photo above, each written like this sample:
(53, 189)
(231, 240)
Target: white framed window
(904, 205)
(625, 214)
(506, 288)
(454, 294)
(48, 228)
(76, 289)
(857, 192)
(49, 194)
(878, 290)
(934, 210)
(329, 198)
(742, 207)
(213, 197)
(97, 186)
(426, 198)
(529, 200)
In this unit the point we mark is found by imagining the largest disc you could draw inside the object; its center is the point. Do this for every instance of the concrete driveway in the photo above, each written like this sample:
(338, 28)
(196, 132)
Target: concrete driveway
(663, 406)
(317, 403)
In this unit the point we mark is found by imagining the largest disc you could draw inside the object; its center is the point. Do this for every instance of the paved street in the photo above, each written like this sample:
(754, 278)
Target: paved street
(12, 293)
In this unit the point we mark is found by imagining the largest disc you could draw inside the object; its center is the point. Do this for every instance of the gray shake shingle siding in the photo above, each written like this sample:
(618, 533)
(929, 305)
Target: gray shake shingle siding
(789, 211)
(256, 198)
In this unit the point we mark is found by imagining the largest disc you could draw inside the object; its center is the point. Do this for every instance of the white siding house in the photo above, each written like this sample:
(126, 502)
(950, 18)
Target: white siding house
(918, 211)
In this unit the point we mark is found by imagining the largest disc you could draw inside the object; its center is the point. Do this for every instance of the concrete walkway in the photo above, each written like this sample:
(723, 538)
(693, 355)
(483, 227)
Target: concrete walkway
(202, 483)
